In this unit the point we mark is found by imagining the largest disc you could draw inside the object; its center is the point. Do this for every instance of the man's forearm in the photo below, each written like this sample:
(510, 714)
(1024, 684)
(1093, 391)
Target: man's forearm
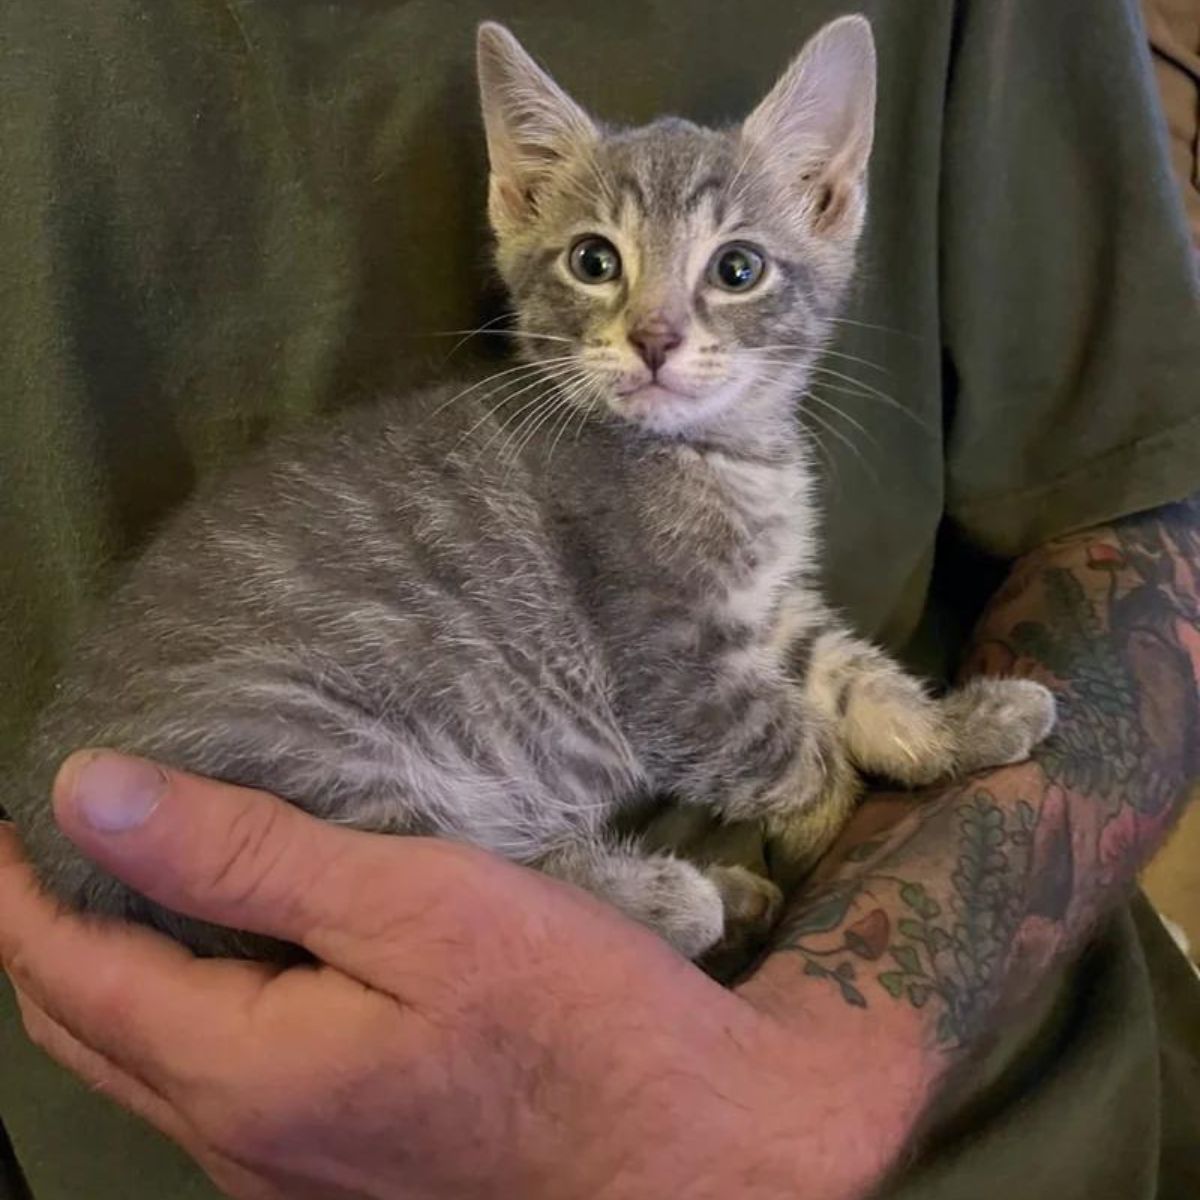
(959, 910)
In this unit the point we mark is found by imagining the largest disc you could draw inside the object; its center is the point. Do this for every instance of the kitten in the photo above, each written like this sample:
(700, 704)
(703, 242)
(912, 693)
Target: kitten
(505, 612)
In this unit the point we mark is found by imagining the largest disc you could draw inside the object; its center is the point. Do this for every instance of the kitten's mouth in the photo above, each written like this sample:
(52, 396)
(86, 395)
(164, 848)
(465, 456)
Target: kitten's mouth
(658, 406)
(652, 392)
(653, 402)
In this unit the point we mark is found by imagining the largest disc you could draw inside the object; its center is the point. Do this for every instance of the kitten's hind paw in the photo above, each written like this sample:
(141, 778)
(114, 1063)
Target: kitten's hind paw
(998, 721)
(751, 903)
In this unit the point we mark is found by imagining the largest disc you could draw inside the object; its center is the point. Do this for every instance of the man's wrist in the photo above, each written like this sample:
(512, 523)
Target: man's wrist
(771, 1091)
(866, 1075)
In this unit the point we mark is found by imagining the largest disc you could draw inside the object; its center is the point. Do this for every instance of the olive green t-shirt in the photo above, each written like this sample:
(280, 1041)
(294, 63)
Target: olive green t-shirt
(218, 218)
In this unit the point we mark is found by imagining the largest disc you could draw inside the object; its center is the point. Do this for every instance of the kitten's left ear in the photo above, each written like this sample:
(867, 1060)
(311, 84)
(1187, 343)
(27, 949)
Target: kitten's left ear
(817, 124)
(532, 125)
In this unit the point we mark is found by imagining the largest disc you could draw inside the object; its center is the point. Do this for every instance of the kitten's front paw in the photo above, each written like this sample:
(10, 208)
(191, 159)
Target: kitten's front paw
(999, 721)
(679, 901)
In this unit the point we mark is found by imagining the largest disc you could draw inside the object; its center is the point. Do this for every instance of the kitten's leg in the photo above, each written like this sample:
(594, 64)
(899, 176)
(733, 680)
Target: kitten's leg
(891, 726)
(800, 836)
(758, 749)
(692, 908)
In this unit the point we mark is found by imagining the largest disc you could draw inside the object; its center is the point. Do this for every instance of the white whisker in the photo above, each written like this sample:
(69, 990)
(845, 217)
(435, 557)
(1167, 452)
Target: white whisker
(585, 406)
(468, 334)
(531, 411)
(857, 388)
(551, 382)
(484, 331)
(833, 431)
(904, 333)
(562, 399)
(830, 458)
(596, 395)
(525, 368)
(889, 401)
(870, 389)
(818, 353)
(810, 395)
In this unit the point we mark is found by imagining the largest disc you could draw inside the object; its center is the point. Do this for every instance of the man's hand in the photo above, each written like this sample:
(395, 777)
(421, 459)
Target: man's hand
(472, 1029)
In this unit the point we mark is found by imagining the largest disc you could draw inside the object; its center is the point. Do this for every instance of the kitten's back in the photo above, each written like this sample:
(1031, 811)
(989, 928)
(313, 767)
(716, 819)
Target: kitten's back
(371, 619)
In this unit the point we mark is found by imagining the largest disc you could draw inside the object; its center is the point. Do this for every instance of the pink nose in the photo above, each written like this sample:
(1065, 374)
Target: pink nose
(654, 341)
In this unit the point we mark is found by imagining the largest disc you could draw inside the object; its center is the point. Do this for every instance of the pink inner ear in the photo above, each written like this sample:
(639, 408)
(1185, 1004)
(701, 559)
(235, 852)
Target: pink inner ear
(826, 197)
(833, 202)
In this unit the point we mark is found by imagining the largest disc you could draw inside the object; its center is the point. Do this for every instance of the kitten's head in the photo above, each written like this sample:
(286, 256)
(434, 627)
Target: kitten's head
(684, 277)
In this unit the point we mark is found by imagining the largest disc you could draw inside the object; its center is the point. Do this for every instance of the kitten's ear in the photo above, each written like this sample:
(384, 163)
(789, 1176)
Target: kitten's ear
(818, 122)
(532, 125)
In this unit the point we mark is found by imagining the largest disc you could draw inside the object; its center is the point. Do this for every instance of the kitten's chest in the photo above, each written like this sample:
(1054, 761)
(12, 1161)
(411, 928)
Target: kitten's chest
(752, 534)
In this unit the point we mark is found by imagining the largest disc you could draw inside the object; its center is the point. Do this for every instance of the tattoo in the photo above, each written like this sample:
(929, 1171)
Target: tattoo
(963, 907)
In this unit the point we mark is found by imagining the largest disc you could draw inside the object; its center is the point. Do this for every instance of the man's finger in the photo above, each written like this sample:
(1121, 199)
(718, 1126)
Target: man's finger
(200, 1033)
(242, 858)
(109, 1080)
(100, 1073)
(135, 997)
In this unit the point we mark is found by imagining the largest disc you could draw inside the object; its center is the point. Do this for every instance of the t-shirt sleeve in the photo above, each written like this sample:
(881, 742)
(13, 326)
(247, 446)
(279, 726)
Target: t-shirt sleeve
(1070, 311)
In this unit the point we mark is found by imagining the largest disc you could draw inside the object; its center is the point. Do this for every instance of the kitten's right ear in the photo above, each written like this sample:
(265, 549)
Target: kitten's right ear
(532, 125)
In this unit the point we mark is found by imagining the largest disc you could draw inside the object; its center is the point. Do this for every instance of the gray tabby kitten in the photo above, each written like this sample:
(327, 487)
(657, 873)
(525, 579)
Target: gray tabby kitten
(505, 613)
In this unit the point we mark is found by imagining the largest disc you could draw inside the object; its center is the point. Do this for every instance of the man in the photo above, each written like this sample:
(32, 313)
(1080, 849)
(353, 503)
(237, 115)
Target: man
(220, 216)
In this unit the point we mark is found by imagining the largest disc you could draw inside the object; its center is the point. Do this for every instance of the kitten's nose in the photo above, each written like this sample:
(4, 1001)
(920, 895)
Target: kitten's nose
(654, 340)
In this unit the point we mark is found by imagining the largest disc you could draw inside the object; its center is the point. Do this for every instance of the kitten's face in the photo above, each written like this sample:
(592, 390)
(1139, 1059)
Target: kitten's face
(681, 277)
(678, 284)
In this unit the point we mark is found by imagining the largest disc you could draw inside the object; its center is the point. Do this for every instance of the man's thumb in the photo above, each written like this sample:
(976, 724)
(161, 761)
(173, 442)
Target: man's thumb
(235, 856)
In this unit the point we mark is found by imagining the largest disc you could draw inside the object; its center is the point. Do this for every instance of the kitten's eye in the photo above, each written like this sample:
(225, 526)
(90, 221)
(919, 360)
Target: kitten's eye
(595, 260)
(736, 268)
